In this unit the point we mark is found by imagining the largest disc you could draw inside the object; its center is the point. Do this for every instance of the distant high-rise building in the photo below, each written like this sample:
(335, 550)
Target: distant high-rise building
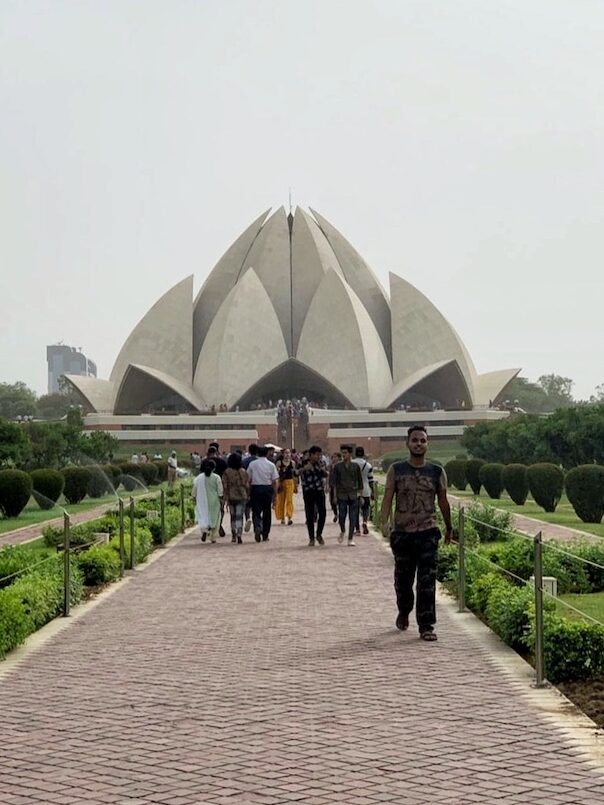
(64, 360)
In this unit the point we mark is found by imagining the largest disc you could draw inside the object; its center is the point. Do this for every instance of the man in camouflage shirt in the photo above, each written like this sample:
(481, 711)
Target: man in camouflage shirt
(415, 484)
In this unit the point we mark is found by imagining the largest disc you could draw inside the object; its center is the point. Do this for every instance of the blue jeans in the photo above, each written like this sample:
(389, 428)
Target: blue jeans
(350, 508)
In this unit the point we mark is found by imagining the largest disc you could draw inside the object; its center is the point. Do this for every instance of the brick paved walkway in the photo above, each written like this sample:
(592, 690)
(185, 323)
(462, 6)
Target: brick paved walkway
(272, 674)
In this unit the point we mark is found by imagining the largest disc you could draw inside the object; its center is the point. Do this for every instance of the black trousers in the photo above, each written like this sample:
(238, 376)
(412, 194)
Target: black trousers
(261, 498)
(314, 502)
(416, 553)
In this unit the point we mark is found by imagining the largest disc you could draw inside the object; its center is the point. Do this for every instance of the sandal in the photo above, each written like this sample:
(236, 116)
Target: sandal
(429, 637)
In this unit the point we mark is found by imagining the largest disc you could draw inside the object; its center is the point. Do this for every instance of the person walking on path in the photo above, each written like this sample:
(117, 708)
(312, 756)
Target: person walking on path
(263, 486)
(415, 484)
(284, 504)
(368, 492)
(348, 483)
(252, 455)
(236, 483)
(313, 475)
(208, 494)
(333, 501)
(172, 467)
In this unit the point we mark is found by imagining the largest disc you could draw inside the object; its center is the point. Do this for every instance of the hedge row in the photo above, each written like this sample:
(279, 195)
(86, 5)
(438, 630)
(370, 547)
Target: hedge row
(546, 482)
(74, 483)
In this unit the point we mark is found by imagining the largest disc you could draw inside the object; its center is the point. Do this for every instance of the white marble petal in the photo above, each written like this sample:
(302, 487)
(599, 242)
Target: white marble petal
(98, 393)
(448, 384)
(269, 256)
(361, 279)
(489, 386)
(339, 341)
(312, 257)
(162, 338)
(219, 282)
(421, 336)
(243, 343)
(128, 386)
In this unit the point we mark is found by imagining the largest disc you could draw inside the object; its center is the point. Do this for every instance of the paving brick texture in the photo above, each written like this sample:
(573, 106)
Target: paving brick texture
(272, 673)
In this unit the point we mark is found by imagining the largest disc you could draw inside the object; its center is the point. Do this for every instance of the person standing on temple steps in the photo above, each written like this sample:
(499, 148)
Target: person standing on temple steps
(414, 484)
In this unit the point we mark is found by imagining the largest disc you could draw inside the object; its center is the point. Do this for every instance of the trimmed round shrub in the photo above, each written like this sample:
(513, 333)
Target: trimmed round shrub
(15, 490)
(585, 491)
(546, 482)
(456, 473)
(47, 487)
(77, 481)
(491, 477)
(131, 477)
(515, 482)
(473, 466)
(149, 473)
(100, 483)
(114, 473)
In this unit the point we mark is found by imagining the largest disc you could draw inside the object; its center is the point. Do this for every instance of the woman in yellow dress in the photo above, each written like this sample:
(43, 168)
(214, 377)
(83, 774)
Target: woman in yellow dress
(284, 504)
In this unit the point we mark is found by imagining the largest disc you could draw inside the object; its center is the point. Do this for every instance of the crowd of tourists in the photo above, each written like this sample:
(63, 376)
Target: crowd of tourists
(256, 486)
(262, 481)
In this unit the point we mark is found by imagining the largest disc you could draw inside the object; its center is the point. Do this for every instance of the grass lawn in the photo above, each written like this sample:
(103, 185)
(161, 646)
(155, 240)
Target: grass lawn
(564, 514)
(32, 514)
(590, 603)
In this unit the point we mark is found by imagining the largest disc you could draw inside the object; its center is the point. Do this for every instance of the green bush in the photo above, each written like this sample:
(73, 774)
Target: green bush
(490, 476)
(585, 491)
(488, 522)
(15, 491)
(481, 587)
(162, 470)
(149, 473)
(100, 564)
(34, 600)
(100, 483)
(47, 487)
(508, 612)
(16, 559)
(77, 480)
(473, 466)
(572, 649)
(546, 482)
(15, 624)
(456, 473)
(515, 482)
(447, 562)
(593, 553)
(131, 477)
(114, 473)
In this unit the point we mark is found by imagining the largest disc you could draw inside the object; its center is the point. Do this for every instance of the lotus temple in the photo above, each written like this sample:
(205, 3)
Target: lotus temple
(291, 310)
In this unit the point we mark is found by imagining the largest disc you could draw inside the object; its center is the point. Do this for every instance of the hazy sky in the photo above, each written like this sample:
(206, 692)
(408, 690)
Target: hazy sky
(458, 143)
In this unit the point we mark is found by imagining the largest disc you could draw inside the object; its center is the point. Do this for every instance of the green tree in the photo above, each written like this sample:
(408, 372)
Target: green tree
(529, 396)
(97, 446)
(16, 399)
(54, 406)
(15, 447)
(558, 390)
